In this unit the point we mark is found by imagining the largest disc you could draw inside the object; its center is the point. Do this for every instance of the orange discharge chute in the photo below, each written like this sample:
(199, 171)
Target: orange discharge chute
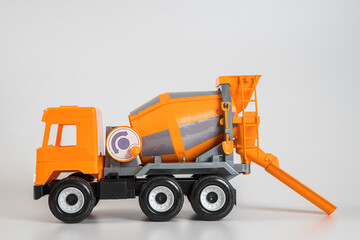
(271, 165)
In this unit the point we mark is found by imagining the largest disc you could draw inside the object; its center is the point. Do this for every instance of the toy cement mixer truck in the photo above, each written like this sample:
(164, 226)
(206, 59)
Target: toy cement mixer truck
(177, 144)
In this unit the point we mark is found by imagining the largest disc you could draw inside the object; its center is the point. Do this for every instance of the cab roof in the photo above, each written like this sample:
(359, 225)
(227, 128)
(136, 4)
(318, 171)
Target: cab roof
(68, 114)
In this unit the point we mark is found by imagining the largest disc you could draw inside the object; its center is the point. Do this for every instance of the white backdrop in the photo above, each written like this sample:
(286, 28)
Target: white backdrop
(115, 55)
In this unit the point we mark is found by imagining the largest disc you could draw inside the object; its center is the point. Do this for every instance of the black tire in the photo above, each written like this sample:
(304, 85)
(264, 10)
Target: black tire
(212, 198)
(161, 198)
(87, 177)
(71, 200)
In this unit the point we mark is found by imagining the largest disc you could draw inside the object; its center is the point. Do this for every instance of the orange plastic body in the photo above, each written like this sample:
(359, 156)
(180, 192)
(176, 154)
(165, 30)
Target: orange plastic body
(166, 115)
(86, 156)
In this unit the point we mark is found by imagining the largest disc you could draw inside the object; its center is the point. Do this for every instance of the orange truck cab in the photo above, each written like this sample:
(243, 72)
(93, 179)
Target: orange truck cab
(85, 156)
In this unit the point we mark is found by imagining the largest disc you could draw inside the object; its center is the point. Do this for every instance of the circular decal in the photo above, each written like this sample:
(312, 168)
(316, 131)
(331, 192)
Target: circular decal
(120, 141)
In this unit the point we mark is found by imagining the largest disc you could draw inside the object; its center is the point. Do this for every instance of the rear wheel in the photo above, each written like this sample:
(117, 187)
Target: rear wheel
(212, 198)
(161, 198)
(71, 200)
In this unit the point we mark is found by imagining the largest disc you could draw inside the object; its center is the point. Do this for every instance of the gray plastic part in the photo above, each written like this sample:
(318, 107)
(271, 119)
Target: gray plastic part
(207, 156)
(226, 97)
(242, 168)
(215, 168)
(158, 143)
(195, 133)
(192, 94)
(121, 168)
(211, 162)
(151, 102)
(157, 159)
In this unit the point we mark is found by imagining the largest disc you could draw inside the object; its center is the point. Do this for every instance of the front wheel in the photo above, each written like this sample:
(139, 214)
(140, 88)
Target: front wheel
(161, 198)
(71, 200)
(212, 198)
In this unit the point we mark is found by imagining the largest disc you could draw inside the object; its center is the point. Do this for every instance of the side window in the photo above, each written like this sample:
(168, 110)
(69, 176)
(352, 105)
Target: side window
(62, 135)
(68, 137)
(53, 133)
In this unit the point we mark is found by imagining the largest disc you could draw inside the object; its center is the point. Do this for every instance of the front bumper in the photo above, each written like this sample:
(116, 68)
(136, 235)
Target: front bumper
(40, 190)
